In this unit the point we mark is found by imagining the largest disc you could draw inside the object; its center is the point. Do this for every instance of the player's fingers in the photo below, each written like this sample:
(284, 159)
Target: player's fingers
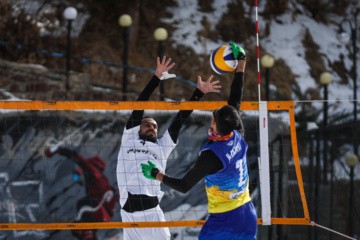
(171, 66)
(168, 61)
(209, 79)
(163, 60)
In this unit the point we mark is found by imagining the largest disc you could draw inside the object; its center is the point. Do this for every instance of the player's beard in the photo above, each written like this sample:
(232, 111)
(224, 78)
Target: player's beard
(150, 138)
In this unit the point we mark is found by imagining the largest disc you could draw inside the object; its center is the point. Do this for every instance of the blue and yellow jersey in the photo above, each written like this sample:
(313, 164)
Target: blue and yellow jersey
(228, 188)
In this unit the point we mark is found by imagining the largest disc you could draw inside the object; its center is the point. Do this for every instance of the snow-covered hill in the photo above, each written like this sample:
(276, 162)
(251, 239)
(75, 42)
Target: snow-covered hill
(285, 41)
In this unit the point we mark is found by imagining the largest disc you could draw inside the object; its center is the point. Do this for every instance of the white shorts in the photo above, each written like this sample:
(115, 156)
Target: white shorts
(150, 215)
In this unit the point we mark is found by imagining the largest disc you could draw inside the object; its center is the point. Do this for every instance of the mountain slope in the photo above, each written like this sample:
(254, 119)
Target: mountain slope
(301, 35)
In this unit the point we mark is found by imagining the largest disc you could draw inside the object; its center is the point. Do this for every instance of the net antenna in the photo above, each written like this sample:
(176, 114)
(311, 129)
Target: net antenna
(264, 166)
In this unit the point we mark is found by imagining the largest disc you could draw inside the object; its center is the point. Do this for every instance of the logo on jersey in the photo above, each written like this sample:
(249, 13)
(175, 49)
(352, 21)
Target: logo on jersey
(230, 143)
(235, 195)
(233, 151)
(143, 151)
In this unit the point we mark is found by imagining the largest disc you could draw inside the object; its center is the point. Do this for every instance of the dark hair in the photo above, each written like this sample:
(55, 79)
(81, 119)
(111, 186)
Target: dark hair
(147, 117)
(227, 119)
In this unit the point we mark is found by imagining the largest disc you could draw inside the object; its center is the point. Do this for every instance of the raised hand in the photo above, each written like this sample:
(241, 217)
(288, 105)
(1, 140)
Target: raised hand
(163, 66)
(239, 52)
(208, 86)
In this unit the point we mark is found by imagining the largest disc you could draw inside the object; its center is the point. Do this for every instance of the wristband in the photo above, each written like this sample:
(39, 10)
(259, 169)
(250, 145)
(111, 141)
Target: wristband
(166, 75)
(154, 172)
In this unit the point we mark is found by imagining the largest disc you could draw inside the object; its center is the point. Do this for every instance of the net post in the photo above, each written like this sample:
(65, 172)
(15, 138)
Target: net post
(264, 168)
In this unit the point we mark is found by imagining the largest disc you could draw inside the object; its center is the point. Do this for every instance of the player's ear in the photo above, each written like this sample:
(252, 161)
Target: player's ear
(213, 124)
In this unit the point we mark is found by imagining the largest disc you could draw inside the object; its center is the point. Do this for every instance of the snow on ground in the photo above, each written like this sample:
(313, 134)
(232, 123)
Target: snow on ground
(31, 7)
(284, 42)
(11, 96)
(187, 21)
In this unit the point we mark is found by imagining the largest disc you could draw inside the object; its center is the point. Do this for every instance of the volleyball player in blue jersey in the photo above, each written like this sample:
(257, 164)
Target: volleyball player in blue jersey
(222, 162)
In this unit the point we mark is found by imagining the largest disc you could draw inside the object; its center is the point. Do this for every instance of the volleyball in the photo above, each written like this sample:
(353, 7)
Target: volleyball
(222, 60)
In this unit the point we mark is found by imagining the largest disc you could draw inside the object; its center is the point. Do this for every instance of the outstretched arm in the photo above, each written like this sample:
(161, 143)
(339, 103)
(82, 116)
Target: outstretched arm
(237, 84)
(207, 163)
(161, 67)
(236, 90)
(201, 89)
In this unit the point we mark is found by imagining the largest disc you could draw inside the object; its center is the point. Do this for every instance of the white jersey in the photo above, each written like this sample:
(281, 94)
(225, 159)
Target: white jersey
(133, 152)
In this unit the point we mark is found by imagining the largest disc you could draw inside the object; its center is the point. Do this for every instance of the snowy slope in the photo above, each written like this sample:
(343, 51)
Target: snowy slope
(284, 42)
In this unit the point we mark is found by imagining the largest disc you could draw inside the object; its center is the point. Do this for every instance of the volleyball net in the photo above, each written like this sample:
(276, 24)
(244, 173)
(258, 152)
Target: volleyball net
(45, 190)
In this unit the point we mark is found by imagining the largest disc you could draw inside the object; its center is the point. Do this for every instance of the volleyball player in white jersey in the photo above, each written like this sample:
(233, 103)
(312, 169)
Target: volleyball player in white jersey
(139, 196)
